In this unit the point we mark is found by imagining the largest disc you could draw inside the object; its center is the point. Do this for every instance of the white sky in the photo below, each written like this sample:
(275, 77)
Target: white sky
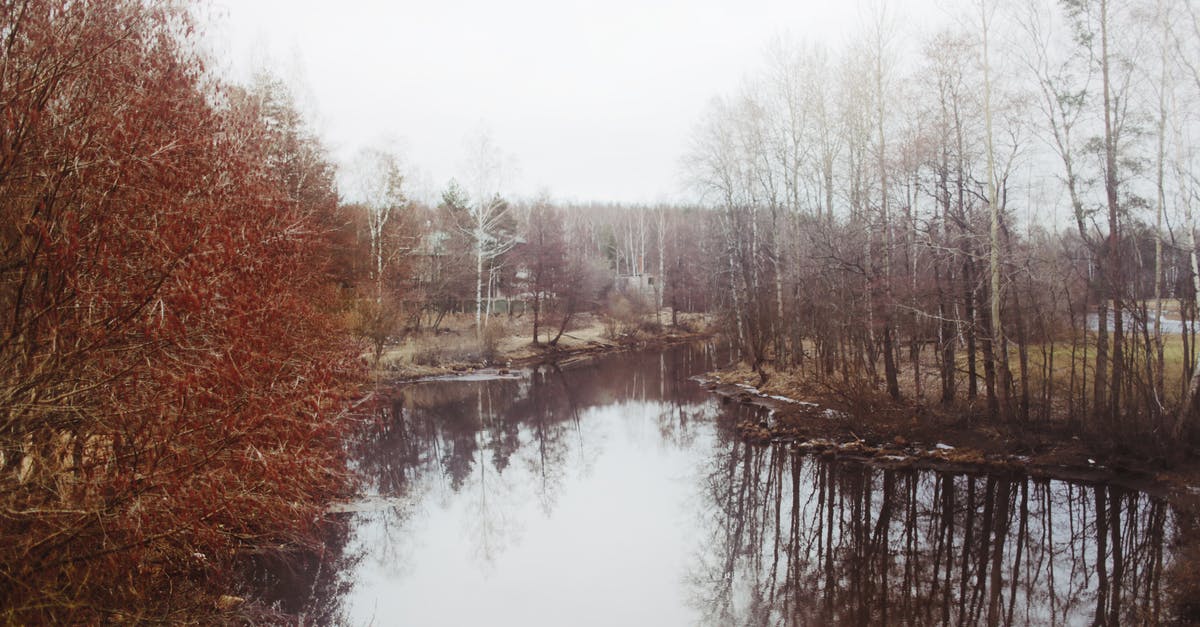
(593, 100)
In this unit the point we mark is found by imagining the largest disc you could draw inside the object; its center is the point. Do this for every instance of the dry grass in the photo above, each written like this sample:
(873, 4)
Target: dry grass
(1057, 354)
(1085, 361)
(455, 346)
(803, 385)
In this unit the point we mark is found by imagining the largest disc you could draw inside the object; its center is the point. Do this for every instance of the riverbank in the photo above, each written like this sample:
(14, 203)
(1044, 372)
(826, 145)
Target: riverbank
(595, 452)
(453, 348)
(868, 425)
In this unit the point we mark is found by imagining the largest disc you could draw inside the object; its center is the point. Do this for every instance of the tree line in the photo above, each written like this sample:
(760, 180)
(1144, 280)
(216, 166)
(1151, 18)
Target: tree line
(997, 215)
(480, 252)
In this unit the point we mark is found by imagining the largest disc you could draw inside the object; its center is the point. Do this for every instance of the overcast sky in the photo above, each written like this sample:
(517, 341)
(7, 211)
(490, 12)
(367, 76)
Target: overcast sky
(593, 100)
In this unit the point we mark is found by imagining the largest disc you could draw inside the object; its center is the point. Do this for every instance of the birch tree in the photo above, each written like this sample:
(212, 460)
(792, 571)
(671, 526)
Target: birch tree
(1164, 88)
(1187, 405)
(1187, 44)
(999, 343)
(488, 220)
(881, 36)
(376, 182)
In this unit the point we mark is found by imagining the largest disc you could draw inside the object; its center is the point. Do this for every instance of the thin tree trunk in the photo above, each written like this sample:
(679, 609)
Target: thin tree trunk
(734, 291)
(969, 314)
(1159, 378)
(1115, 274)
(478, 284)
(1100, 372)
(890, 371)
(999, 344)
(989, 363)
(946, 332)
(1189, 397)
(537, 310)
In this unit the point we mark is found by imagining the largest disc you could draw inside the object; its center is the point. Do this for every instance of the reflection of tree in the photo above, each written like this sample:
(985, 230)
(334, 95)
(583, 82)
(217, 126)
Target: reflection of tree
(456, 440)
(490, 526)
(548, 425)
(389, 457)
(798, 540)
(503, 429)
(571, 414)
(676, 419)
(312, 586)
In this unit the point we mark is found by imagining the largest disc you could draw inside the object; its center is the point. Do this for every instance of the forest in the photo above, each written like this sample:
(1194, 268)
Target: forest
(1006, 213)
(997, 219)
(993, 223)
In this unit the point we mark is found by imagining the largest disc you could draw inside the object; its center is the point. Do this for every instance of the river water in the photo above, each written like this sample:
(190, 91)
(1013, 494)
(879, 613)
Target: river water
(614, 492)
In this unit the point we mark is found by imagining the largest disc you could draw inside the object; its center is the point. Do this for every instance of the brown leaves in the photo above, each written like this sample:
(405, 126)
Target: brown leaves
(166, 366)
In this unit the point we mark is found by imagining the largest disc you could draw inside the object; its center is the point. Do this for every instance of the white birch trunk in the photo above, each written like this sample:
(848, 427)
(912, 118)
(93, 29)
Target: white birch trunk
(1185, 407)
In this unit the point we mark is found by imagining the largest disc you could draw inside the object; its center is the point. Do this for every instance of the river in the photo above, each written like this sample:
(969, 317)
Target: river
(615, 493)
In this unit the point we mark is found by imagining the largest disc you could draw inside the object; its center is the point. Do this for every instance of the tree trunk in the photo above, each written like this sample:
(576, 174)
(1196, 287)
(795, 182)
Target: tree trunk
(1115, 274)
(999, 344)
(946, 335)
(537, 310)
(1158, 383)
(971, 324)
(889, 342)
(478, 284)
(989, 364)
(890, 372)
(1189, 397)
(1100, 372)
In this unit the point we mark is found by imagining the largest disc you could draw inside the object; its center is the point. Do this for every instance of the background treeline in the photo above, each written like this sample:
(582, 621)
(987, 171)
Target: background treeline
(173, 369)
(480, 259)
(998, 213)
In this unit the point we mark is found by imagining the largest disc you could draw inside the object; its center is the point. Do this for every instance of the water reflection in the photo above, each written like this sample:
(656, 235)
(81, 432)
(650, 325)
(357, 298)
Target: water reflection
(614, 492)
(797, 540)
(442, 425)
(465, 484)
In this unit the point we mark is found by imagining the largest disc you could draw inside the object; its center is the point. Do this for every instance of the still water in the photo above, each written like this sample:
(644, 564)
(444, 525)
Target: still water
(615, 493)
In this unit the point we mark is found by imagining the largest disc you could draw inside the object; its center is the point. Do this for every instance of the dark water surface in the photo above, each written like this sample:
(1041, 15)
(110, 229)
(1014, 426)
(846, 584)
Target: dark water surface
(614, 493)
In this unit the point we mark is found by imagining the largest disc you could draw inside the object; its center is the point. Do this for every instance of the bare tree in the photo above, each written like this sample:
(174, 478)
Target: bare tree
(544, 257)
(488, 220)
(999, 342)
(1187, 42)
(880, 34)
(376, 182)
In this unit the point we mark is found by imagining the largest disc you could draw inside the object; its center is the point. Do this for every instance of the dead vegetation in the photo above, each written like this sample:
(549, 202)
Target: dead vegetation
(847, 420)
(454, 347)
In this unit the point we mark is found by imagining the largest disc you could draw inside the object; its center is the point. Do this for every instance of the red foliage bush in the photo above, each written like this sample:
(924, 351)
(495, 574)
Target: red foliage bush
(172, 379)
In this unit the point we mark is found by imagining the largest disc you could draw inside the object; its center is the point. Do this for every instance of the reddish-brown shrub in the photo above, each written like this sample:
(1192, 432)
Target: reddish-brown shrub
(171, 379)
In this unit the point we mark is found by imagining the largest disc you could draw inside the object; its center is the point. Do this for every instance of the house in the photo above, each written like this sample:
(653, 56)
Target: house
(643, 285)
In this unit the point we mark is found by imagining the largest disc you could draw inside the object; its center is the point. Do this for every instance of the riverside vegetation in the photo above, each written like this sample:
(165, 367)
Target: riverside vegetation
(984, 233)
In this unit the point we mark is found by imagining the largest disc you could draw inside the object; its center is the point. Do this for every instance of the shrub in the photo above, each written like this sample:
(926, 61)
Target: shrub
(374, 323)
(174, 376)
(623, 314)
(489, 344)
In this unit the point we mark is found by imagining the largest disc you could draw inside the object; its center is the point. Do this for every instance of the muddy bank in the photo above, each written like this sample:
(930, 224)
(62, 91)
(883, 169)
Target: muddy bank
(893, 435)
(912, 437)
(505, 365)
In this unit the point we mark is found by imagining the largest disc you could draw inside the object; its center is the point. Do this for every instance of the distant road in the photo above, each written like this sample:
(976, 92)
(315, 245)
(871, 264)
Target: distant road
(1168, 326)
